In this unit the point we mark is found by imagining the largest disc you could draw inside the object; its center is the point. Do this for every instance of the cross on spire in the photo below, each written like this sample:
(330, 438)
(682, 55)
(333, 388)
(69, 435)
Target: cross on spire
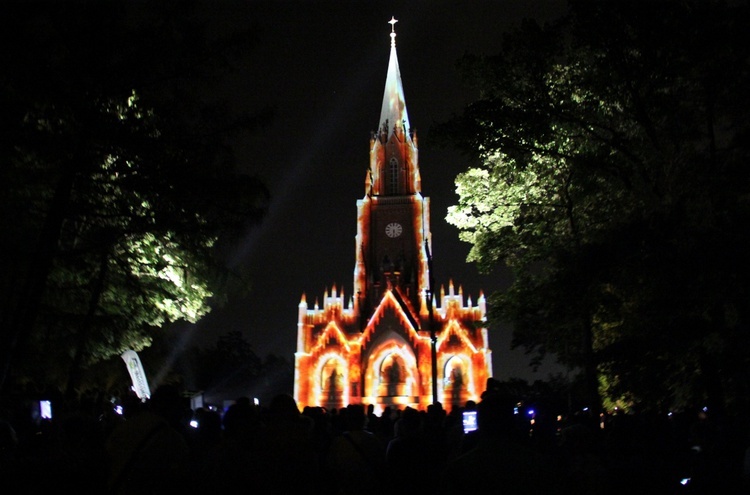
(393, 22)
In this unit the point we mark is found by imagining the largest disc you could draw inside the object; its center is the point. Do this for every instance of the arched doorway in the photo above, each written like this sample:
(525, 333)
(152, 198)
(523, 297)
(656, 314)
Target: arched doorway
(331, 382)
(456, 382)
(392, 378)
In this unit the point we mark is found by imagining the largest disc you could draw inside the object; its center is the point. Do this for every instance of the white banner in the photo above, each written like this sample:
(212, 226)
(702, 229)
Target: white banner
(135, 368)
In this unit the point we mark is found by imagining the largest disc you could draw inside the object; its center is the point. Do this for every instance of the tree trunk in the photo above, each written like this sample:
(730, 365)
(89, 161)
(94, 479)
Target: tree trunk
(74, 375)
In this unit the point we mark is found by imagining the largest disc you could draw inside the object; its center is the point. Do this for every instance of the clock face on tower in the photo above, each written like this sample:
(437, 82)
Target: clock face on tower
(393, 229)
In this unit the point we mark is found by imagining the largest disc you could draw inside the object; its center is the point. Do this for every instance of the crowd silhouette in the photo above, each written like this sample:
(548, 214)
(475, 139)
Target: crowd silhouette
(277, 448)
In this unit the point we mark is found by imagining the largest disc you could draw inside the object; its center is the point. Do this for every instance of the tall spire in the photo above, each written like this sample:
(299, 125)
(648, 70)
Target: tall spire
(394, 104)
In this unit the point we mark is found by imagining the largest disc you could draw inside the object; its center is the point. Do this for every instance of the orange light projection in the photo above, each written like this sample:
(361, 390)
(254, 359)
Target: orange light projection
(388, 363)
(376, 347)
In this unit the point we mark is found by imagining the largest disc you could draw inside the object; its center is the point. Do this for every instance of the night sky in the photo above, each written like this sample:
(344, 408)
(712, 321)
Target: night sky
(322, 65)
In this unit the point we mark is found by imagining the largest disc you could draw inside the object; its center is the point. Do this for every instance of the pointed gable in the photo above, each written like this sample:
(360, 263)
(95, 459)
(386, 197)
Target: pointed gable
(332, 332)
(391, 299)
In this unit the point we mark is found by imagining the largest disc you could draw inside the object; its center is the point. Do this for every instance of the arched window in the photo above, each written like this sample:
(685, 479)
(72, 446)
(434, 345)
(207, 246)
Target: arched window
(393, 176)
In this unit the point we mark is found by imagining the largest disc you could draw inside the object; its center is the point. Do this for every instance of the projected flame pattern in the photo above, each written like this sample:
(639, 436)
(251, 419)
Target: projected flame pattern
(376, 347)
(388, 363)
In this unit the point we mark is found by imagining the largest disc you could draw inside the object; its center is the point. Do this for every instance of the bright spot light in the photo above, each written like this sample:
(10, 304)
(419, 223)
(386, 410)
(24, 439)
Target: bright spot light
(705, 409)
(531, 412)
(118, 410)
(45, 407)
(585, 408)
(684, 481)
(193, 423)
(515, 410)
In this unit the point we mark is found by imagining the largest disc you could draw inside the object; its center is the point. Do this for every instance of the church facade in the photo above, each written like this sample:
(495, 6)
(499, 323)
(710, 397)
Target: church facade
(393, 341)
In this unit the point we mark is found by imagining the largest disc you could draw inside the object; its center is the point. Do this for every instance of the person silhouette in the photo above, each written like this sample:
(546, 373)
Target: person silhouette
(394, 377)
(334, 381)
(503, 456)
(457, 378)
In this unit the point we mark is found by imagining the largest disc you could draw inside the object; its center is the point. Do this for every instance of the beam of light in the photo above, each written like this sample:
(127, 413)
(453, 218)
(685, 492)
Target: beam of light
(324, 135)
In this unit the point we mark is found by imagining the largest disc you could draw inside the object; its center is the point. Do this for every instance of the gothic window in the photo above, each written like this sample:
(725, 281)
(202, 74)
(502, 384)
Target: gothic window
(393, 176)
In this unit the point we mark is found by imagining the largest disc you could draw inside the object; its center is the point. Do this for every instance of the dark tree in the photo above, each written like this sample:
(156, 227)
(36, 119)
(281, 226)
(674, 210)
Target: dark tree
(611, 152)
(118, 183)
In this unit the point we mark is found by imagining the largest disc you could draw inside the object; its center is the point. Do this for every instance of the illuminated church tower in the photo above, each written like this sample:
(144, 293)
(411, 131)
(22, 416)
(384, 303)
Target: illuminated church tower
(377, 347)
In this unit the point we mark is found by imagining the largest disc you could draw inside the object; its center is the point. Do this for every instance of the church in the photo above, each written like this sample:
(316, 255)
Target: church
(393, 341)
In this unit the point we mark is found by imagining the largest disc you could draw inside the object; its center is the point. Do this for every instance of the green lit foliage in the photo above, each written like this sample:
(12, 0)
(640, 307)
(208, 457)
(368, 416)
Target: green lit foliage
(119, 188)
(611, 153)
